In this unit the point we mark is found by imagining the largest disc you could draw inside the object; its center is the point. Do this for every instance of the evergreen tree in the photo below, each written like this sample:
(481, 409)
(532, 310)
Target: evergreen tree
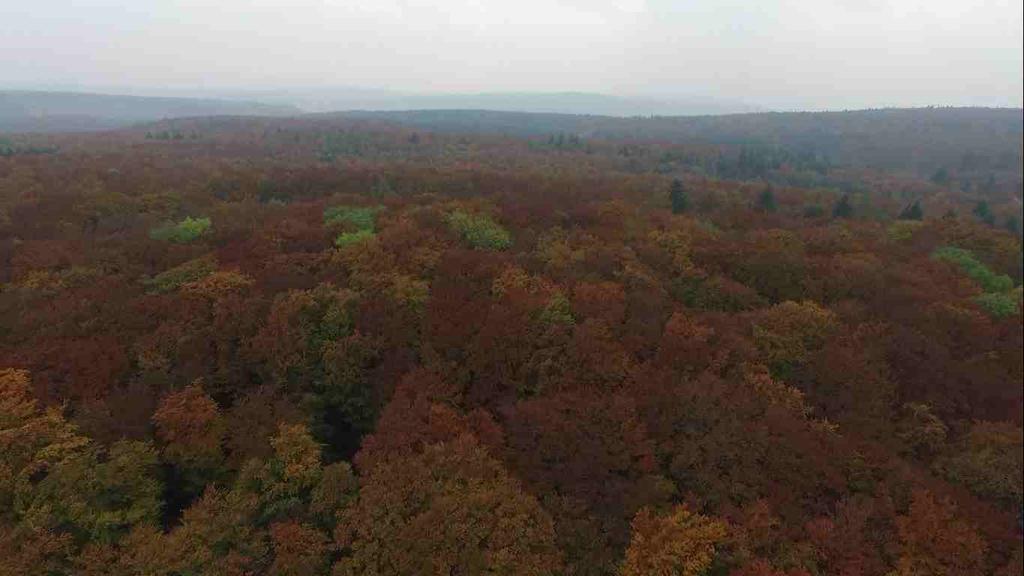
(912, 212)
(1013, 224)
(680, 200)
(814, 211)
(984, 213)
(766, 200)
(843, 208)
(941, 177)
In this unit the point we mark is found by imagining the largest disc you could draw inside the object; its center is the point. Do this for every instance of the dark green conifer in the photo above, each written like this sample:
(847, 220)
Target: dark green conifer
(680, 201)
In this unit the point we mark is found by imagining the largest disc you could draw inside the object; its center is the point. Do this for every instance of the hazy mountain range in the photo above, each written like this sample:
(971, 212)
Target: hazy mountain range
(56, 111)
(883, 138)
(36, 111)
(339, 99)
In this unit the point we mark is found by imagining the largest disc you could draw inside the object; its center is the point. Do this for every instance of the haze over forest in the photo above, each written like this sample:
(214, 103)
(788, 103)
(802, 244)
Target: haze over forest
(678, 57)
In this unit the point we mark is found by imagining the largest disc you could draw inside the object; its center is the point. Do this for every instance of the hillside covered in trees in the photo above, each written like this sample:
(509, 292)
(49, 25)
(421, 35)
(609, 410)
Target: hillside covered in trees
(407, 345)
(921, 140)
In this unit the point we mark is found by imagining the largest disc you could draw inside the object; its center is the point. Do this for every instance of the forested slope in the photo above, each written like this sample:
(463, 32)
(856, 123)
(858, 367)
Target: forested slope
(920, 140)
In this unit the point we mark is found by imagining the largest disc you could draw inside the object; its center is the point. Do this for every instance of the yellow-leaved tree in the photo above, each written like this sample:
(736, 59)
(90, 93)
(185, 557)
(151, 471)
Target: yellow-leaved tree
(679, 543)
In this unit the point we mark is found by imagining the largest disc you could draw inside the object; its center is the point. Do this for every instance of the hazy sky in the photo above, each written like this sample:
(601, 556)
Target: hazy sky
(776, 54)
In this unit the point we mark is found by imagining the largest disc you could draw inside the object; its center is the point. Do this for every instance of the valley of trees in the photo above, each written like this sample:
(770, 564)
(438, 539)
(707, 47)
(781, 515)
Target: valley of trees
(349, 346)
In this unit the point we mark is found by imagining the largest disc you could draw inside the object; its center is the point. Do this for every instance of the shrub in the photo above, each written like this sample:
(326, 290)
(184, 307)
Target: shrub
(479, 231)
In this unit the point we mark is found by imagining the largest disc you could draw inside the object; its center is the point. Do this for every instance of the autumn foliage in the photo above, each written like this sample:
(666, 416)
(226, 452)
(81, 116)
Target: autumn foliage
(319, 346)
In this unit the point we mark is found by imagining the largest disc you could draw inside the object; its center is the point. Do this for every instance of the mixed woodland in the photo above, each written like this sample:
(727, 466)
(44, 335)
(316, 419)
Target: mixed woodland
(398, 346)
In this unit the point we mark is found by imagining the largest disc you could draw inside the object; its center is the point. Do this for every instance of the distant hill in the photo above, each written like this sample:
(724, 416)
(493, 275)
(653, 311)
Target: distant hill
(32, 111)
(918, 139)
(319, 99)
(584, 103)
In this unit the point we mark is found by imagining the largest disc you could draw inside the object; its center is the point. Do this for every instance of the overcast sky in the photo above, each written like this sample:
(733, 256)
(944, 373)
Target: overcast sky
(783, 54)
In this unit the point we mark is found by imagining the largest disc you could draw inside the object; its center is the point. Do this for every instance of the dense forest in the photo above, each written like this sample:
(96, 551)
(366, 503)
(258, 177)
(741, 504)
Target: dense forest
(966, 140)
(370, 346)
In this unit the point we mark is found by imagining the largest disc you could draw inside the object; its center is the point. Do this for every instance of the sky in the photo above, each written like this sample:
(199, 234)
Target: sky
(774, 54)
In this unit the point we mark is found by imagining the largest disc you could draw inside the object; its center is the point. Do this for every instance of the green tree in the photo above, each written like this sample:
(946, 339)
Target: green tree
(976, 269)
(999, 304)
(843, 208)
(679, 198)
(766, 200)
(100, 494)
(55, 480)
(183, 232)
(1012, 224)
(984, 213)
(479, 231)
(274, 519)
(912, 212)
(941, 177)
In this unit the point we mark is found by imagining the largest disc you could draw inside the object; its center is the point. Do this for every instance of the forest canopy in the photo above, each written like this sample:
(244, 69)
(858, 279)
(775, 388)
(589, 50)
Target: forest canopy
(352, 346)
